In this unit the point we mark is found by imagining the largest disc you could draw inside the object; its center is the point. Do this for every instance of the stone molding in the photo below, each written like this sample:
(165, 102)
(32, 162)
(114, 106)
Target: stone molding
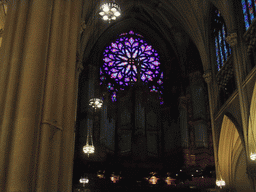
(231, 39)
(207, 76)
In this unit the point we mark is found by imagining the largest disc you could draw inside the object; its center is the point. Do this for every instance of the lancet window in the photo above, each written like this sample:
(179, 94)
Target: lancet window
(222, 48)
(249, 12)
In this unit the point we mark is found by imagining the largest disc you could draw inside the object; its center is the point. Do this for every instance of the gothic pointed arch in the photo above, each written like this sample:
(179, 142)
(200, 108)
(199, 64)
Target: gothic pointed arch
(252, 124)
(231, 165)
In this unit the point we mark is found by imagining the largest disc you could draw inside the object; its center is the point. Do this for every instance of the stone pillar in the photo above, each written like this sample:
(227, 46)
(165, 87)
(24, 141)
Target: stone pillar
(239, 74)
(208, 79)
(199, 111)
(139, 137)
(38, 63)
(24, 72)
(184, 122)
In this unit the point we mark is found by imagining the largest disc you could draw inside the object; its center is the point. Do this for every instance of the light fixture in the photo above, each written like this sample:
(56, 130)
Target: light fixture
(115, 178)
(96, 103)
(169, 180)
(84, 181)
(153, 179)
(110, 11)
(220, 183)
(89, 149)
(253, 156)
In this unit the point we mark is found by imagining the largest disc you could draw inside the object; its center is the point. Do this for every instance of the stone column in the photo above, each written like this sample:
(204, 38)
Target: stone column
(208, 79)
(39, 98)
(23, 58)
(199, 111)
(239, 74)
(184, 122)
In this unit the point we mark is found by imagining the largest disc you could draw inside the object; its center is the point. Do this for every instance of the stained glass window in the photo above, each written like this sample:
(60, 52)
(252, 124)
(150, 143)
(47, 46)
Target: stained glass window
(222, 49)
(129, 58)
(248, 7)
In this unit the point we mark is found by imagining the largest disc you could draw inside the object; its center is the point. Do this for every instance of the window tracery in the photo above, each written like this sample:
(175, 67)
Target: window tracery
(129, 59)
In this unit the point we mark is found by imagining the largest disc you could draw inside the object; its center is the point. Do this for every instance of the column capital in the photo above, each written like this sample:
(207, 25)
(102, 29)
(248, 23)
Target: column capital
(231, 39)
(207, 76)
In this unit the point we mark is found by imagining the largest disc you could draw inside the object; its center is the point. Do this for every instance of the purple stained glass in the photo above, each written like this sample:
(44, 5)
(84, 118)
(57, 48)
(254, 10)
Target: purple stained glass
(113, 97)
(128, 55)
(135, 50)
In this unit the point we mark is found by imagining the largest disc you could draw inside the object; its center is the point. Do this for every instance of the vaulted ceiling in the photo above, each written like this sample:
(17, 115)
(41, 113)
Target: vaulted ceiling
(174, 24)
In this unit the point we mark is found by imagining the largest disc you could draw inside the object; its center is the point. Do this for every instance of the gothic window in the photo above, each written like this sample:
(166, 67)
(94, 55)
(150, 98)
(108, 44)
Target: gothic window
(129, 58)
(223, 49)
(248, 7)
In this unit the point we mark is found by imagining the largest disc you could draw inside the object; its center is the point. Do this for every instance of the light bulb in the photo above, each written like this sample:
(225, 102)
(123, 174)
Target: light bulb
(105, 17)
(113, 18)
(105, 8)
(117, 13)
(102, 13)
(113, 9)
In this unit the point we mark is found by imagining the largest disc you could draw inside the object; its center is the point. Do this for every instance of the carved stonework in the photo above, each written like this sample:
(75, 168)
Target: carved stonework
(207, 76)
(232, 39)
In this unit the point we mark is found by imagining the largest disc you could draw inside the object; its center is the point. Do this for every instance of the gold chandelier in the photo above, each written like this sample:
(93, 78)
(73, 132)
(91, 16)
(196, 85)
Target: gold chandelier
(220, 183)
(89, 147)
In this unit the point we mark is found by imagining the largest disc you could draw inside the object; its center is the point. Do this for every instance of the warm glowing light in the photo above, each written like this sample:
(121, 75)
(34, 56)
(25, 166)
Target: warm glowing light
(153, 180)
(110, 11)
(89, 149)
(170, 181)
(220, 183)
(253, 156)
(113, 9)
(115, 178)
(84, 181)
(105, 8)
(95, 103)
(117, 13)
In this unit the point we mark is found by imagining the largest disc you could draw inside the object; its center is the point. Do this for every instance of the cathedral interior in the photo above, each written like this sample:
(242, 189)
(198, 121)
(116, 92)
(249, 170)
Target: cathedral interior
(155, 95)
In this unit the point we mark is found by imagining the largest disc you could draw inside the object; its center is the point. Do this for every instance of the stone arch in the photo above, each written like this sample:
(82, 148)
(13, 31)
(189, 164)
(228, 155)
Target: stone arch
(232, 157)
(252, 124)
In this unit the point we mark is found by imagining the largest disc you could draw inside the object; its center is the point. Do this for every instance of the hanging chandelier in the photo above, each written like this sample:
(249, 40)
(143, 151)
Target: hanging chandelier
(84, 181)
(220, 183)
(95, 103)
(89, 147)
(110, 11)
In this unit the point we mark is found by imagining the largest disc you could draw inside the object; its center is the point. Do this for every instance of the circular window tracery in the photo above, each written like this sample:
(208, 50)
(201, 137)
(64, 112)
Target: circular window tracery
(127, 56)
